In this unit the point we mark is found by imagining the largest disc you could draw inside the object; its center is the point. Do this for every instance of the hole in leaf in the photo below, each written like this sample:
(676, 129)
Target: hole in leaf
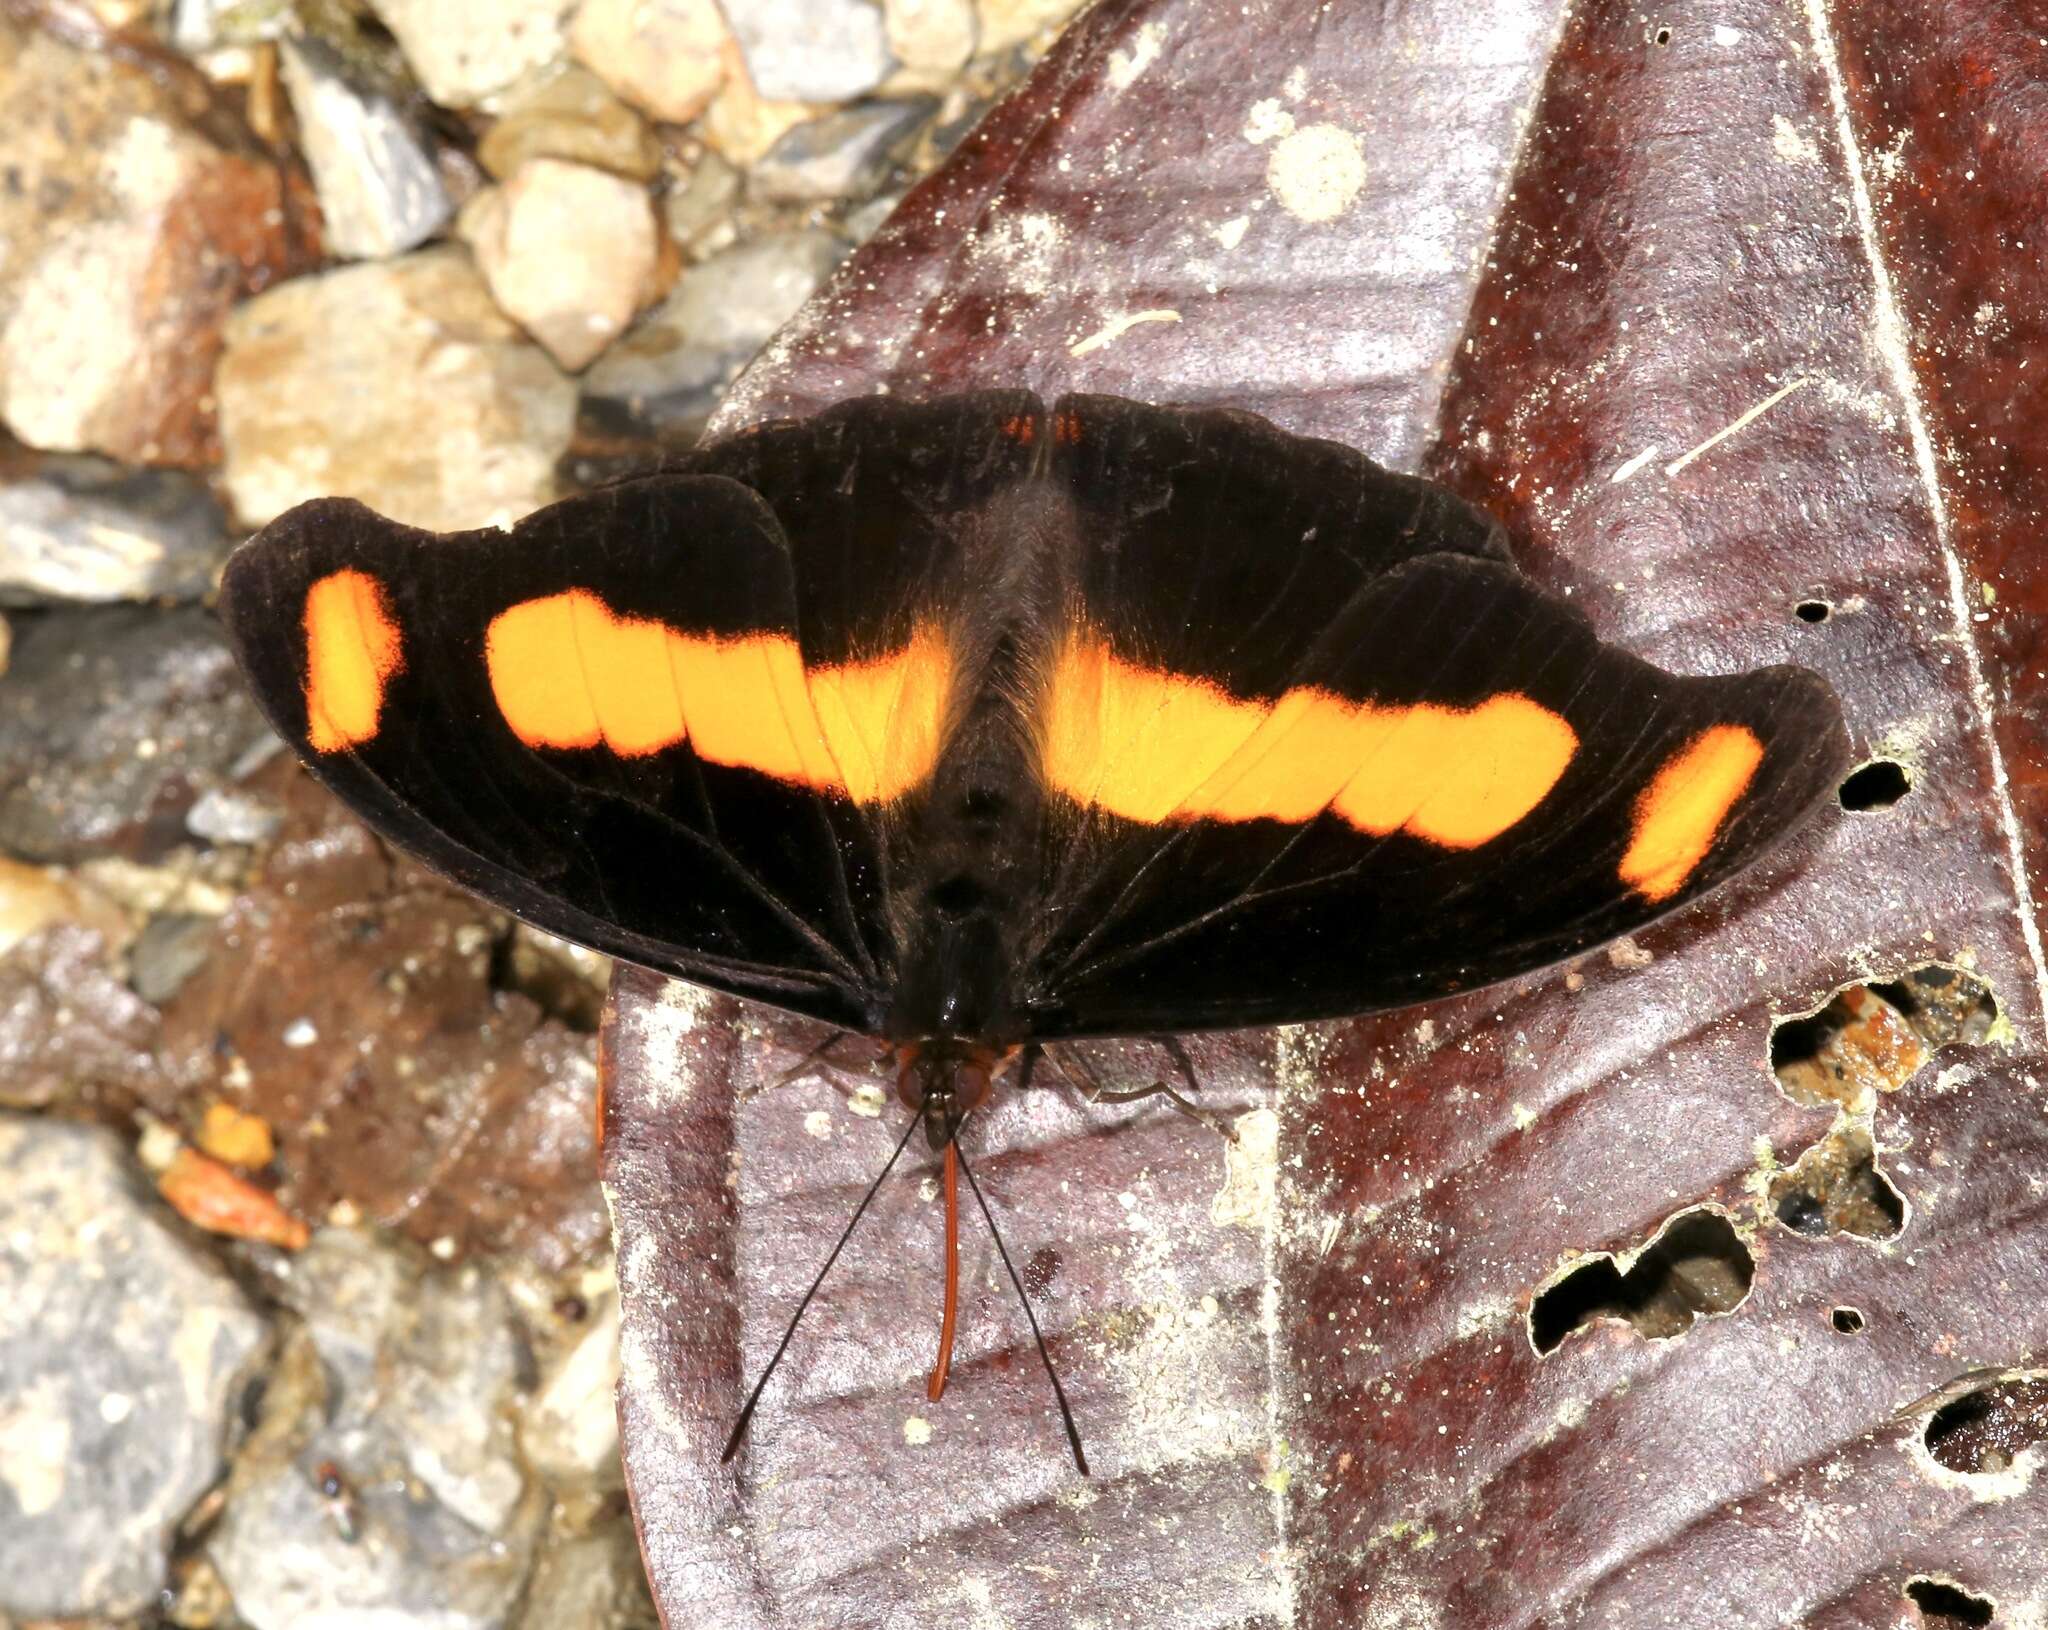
(1946, 1605)
(1836, 1188)
(1985, 1431)
(1662, 36)
(1813, 611)
(1847, 1320)
(1876, 785)
(1871, 1038)
(1694, 1267)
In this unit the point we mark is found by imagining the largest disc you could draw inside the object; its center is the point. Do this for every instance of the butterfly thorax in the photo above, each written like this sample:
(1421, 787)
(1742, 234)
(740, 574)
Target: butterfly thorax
(964, 868)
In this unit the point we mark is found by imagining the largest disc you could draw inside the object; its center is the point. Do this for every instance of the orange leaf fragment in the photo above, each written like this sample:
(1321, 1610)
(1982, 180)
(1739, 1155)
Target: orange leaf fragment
(207, 1195)
(237, 1137)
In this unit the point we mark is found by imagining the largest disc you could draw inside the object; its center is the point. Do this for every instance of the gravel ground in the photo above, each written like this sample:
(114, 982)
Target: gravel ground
(307, 1310)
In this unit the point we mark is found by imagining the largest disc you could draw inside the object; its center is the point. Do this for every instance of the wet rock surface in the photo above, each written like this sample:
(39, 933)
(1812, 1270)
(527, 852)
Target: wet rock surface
(82, 528)
(118, 719)
(380, 1482)
(120, 1348)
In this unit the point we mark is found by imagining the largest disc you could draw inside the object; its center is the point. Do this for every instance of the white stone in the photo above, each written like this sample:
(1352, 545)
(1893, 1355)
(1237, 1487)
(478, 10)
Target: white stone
(812, 50)
(569, 252)
(397, 382)
(463, 52)
(932, 35)
(666, 57)
(1006, 24)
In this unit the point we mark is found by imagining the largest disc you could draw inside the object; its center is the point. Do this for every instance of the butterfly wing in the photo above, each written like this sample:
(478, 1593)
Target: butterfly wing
(1419, 776)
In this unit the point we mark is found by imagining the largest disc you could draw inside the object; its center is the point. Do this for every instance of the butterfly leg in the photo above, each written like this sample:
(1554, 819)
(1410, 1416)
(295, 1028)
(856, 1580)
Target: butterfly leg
(1084, 1081)
(820, 1054)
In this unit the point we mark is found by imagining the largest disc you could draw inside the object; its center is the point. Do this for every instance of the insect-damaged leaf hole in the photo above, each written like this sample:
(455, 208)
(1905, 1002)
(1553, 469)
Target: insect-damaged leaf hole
(1694, 1267)
(1847, 1321)
(1866, 1040)
(1876, 785)
(1813, 611)
(1983, 1432)
(1945, 1605)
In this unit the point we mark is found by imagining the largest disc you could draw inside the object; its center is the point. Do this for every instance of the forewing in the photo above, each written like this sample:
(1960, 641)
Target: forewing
(873, 496)
(1455, 782)
(602, 720)
(1211, 540)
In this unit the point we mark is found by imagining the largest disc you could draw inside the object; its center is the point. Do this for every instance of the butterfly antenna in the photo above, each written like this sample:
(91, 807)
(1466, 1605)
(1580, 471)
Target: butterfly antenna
(1052, 1375)
(732, 1444)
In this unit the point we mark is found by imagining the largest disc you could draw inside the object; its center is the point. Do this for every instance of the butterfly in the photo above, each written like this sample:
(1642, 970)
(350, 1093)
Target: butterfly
(976, 727)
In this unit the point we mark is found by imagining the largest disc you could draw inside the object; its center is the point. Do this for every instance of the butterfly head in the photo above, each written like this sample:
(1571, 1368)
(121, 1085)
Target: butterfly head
(943, 1079)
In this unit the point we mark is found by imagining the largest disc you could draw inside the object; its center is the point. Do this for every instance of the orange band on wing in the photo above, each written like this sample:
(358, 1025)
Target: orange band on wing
(1682, 809)
(1154, 746)
(568, 672)
(352, 648)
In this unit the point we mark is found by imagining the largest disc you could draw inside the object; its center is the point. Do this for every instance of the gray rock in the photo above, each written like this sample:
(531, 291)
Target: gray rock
(382, 1485)
(570, 1426)
(813, 50)
(846, 154)
(864, 221)
(117, 719)
(120, 1349)
(380, 193)
(590, 1581)
(171, 948)
(230, 815)
(70, 1026)
(76, 527)
(677, 362)
(698, 210)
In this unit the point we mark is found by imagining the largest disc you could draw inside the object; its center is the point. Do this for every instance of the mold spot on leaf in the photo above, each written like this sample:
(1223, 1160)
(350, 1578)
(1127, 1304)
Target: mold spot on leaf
(1836, 1188)
(1847, 1321)
(1694, 1267)
(1945, 1605)
(1983, 1432)
(1813, 611)
(1876, 785)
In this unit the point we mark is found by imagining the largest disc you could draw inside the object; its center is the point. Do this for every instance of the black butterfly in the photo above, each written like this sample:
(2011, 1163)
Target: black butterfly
(972, 727)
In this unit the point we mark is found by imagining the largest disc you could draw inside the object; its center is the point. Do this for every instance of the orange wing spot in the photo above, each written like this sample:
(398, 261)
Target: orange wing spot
(568, 672)
(352, 648)
(1684, 806)
(1021, 429)
(1480, 770)
(882, 719)
(537, 672)
(1154, 746)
